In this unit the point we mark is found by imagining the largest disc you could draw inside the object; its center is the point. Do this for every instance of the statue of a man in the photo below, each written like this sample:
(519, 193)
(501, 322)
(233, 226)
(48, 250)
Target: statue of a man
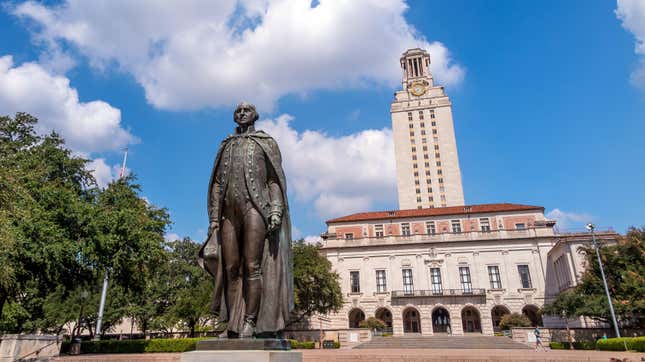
(248, 249)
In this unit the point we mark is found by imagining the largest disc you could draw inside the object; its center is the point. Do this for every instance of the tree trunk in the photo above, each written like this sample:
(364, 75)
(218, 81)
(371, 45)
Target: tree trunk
(3, 299)
(192, 325)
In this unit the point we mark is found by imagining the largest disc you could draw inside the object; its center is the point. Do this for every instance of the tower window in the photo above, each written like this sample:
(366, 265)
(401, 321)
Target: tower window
(425, 155)
(419, 199)
(409, 116)
(431, 199)
(418, 191)
(415, 165)
(416, 182)
(440, 180)
(414, 149)
(437, 155)
(420, 114)
(414, 157)
(438, 163)
(434, 124)
(425, 148)
(411, 125)
(422, 124)
(436, 147)
(427, 164)
(411, 133)
(434, 131)
(439, 172)
(416, 174)
(428, 174)
(429, 181)
(424, 140)
(432, 114)
(429, 190)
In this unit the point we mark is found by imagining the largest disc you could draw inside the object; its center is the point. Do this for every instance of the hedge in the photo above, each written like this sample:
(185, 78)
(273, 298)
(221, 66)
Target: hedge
(140, 345)
(576, 345)
(302, 345)
(618, 344)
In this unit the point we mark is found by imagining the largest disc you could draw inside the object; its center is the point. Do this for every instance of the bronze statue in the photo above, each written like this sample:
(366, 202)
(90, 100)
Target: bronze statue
(248, 249)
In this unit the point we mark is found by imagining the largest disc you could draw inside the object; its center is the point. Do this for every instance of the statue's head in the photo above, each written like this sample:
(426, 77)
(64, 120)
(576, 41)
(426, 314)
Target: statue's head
(245, 114)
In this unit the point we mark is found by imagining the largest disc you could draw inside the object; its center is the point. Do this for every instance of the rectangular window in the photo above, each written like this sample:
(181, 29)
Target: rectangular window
(428, 173)
(349, 236)
(437, 155)
(429, 190)
(423, 132)
(439, 172)
(419, 199)
(414, 165)
(425, 156)
(456, 224)
(425, 148)
(355, 282)
(520, 226)
(416, 174)
(416, 182)
(440, 180)
(418, 191)
(493, 275)
(381, 285)
(378, 231)
(414, 157)
(422, 124)
(424, 140)
(408, 287)
(435, 277)
(420, 114)
(427, 164)
(431, 199)
(405, 229)
(409, 116)
(431, 114)
(525, 276)
(434, 131)
(411, 125)
(438, 163)
(411, 133)
(436, 147)
(434, 124)
(443, 198)
(484, 224)
(429, 181)
(414, 149)
(431, 228)
(464, 278)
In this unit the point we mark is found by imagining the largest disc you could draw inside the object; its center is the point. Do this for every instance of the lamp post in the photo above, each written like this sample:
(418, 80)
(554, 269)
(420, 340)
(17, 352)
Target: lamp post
(563, 314)
(591, 228)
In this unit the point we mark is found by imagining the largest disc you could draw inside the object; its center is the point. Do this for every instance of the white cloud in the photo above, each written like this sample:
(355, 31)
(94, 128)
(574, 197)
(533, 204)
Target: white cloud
(338, 175)
(632, 15)
(172, 237)
(569, 220)
(313, 239)
(199, 53)
(86, 126)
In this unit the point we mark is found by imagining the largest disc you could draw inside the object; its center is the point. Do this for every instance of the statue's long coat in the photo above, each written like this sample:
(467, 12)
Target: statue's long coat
(277, 280)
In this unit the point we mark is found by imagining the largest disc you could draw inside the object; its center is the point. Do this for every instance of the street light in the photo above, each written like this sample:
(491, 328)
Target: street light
(591, 228)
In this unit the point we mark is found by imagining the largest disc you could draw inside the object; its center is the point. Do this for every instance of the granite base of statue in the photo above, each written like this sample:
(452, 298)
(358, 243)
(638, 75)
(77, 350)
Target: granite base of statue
(248, 248)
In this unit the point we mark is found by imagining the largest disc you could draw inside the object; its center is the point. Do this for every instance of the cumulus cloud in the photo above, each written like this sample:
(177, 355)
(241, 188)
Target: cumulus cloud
(86, 126)
(337, 175)
(569, 220)
(313, 239)
(197, 53)
(632, 15)
(172, 237)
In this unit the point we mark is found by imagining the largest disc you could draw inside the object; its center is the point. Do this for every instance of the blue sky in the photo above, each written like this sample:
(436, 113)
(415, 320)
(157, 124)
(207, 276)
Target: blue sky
(548, 101)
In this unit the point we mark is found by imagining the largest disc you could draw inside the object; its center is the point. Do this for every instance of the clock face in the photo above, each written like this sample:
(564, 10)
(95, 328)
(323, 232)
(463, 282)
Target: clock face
(418, 89)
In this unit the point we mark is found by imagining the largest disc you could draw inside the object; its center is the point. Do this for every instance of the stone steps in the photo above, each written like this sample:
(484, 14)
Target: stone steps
(443, 342)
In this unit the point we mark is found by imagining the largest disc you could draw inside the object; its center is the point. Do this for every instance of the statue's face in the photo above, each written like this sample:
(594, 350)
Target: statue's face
(245, 114)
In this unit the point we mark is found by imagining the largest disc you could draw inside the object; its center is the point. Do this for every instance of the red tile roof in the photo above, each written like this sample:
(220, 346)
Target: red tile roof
(437, 211)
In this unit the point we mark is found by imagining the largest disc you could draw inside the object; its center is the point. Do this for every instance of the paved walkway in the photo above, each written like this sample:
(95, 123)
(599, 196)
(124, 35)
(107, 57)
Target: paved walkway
(442, 342)
(402, 355)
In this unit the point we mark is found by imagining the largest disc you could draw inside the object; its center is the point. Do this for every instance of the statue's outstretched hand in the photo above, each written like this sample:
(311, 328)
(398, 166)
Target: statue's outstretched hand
(274, 222)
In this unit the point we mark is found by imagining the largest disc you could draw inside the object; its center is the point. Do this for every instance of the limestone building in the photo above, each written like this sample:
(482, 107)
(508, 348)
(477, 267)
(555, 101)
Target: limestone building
(427, 163)
(437, 265)
(457, 269)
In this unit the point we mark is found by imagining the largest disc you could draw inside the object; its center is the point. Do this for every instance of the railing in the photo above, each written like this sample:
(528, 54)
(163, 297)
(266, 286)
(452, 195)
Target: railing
(439, 293)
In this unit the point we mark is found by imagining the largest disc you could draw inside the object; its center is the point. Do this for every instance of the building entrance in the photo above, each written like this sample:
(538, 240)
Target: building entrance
(356, 316)
(411, 321)
(386, 316)
(496, 314)
(440, 321)
(470, 320)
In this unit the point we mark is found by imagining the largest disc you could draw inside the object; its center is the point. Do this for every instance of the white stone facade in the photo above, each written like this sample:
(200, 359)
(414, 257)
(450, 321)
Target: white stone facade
(427, 163)
(506, 252)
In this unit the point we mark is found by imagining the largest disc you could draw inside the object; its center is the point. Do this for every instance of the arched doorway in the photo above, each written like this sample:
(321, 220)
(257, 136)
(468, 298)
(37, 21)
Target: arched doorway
(356, 316)
(440, 320)
(533, 313)
(470, 320)
(385, 315)
(411, 321)
(496, 314)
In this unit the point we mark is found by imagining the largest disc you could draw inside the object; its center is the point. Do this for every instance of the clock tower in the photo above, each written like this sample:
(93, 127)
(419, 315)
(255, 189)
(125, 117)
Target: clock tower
(427, 163)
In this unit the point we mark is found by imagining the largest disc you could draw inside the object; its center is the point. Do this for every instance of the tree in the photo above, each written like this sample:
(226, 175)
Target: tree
(372, 323)
(511, 320)
(59, 233)
(191, 288)
(316, 286)
(624, 265)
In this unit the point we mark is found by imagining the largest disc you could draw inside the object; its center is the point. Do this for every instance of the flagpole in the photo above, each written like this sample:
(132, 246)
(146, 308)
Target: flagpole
(99, 321)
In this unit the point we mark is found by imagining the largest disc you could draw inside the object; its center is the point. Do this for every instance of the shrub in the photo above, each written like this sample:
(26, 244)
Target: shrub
(372, 323)
(336, 344)
(140, 345)
(557, 345)
(618, 344)
(302, 345)
(576, 345)
(514, 320)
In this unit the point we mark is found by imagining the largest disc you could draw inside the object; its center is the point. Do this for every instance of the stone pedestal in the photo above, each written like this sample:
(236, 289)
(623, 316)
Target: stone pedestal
(244, 344)
(242, 356)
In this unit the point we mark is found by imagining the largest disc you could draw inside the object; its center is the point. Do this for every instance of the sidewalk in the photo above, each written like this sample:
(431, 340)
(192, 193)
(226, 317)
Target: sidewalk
(397, 355)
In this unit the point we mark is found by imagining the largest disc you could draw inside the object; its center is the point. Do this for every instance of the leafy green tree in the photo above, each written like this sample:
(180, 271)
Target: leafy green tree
(624, 266)
(46, 206)
(372, 323)
(316, 286)
(511, 320)
(190, 286)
